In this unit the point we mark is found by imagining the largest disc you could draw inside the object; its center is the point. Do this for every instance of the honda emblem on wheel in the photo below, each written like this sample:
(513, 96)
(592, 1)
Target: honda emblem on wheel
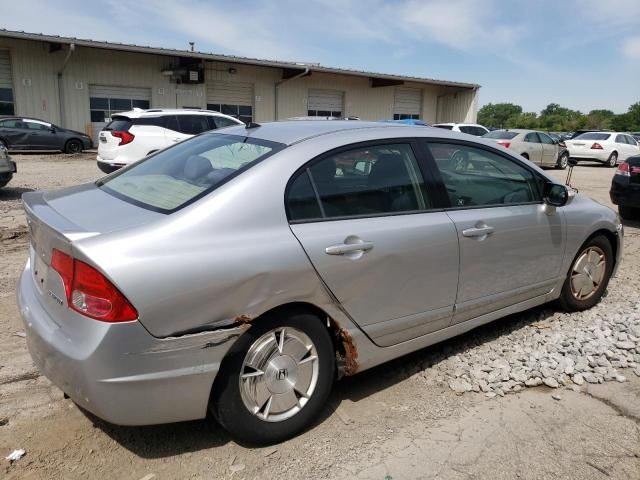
(282, 374)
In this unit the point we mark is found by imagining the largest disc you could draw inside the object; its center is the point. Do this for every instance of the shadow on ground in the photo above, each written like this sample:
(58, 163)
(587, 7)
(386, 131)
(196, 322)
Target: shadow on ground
(174, 439)
(13, 193)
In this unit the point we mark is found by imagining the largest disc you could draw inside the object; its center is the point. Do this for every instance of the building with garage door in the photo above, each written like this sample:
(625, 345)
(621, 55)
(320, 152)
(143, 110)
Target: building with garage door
(80, 84)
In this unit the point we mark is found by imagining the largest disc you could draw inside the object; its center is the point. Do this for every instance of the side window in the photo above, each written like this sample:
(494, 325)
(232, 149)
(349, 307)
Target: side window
(531, 137)
(222, 122)
(469, 130)
(620, 139)
(302, 203)
(545, 139)
(477, 177)
(193, 124)
(631, 140)
(373, 180)
(172, 123)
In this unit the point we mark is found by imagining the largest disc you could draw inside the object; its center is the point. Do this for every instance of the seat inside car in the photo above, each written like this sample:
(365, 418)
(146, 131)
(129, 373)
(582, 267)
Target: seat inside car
(197, 168)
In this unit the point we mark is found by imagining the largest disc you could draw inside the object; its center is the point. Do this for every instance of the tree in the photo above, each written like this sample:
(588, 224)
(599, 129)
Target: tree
(497, 115)
(599, 119)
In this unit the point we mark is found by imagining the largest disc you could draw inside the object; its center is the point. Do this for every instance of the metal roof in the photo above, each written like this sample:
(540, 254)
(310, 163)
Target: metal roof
(127, 47)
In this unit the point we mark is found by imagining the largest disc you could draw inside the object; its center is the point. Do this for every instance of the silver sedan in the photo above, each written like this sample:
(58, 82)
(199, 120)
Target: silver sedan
(240, 273)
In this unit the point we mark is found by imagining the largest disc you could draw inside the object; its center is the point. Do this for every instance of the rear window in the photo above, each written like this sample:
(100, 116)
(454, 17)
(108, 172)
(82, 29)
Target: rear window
(500, 135)
(593, 136)
(119, 124)
(446, 127)
(180, 175)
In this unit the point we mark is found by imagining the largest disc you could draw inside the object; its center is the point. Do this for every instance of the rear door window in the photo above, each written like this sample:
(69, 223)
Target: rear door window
(544, 138)
(180, 175)
(532, 137)
(366, 181)
(193, 124)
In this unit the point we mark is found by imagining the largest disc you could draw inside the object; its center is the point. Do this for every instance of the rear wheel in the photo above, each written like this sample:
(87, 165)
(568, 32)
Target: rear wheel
(588, 276)
(73, 146)
(629, 213)
(4, 144)
(612, 161)
(563, 161)
(276, 378)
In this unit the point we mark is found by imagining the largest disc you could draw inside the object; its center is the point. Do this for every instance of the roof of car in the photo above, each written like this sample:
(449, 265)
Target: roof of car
(289, 132)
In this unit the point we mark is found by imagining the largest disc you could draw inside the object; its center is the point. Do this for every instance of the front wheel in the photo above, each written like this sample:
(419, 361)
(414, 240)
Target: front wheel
(612, 161)
(276, 378)
(563, 161)
(588, 276)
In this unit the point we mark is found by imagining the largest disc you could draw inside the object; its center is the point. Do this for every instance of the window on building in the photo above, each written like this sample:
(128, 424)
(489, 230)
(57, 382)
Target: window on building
(244, 113)
(406, 116)
(6, 102)
(102, 109)
(324, 113)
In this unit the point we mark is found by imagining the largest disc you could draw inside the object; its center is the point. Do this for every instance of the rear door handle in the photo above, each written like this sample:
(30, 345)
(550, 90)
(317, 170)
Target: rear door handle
(477, 231)
(345, 248)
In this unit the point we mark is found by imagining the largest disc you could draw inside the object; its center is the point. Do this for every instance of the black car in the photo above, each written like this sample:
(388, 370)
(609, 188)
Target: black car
(7, 167)
(19, 133)
(625, 188)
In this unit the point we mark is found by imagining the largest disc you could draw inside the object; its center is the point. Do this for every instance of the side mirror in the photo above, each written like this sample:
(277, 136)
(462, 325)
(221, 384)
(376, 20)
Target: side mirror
(52, 129)
(556, 195)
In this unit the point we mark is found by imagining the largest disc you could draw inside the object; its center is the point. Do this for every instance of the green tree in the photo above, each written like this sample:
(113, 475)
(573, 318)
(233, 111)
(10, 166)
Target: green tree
(599, 119)
(497, 115)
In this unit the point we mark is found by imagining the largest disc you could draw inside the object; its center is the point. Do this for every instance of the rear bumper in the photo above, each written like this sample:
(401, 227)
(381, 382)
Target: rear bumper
(624, 193)
(107, 166)
(598, 155)
(120, 372)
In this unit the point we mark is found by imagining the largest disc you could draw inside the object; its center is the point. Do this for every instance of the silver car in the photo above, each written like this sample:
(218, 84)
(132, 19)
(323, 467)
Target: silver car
(242, 272)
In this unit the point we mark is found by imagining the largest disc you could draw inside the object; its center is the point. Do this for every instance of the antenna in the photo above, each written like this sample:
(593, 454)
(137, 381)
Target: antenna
(191, 44)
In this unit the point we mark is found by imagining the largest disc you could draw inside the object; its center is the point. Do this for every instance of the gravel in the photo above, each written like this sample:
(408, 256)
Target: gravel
(557, 349)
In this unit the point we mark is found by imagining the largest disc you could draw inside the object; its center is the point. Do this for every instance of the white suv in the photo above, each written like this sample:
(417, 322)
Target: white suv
(130, 136)
(470, 128)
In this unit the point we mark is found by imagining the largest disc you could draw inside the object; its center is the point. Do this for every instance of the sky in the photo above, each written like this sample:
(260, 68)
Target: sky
(582, 54)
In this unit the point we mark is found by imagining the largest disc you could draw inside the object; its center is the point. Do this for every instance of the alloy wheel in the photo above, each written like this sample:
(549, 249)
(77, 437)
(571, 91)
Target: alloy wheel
(279, 374)
(588, 272)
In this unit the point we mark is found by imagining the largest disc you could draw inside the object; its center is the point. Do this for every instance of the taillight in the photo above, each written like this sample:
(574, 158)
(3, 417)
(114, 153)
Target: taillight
(504, 144)
(596, 146)
(624, 169)
(89, 292)
(125, 137)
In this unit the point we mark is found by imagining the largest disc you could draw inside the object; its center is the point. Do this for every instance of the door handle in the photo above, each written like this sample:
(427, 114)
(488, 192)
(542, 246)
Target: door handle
(344, 248)
(477, 231)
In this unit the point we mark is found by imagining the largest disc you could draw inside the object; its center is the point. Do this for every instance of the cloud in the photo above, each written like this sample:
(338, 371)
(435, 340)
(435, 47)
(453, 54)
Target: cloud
(631, 48)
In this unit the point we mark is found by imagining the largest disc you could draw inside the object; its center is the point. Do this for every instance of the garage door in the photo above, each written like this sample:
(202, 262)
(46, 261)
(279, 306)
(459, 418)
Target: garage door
(105, 101)
(231, 98)
(407, 103)
(6, 84)
(325, 103)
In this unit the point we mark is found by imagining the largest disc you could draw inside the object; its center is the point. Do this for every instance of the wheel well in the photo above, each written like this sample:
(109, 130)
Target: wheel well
(615, 151)
(613, 240)
(525, 155)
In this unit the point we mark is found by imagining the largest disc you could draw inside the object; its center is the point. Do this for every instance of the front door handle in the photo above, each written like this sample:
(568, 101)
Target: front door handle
(478, 231)
(344, 248)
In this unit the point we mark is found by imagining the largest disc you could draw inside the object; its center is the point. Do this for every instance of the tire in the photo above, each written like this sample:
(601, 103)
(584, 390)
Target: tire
(595, 247)
(234, 399)
(525, 155)
(73, 146)
(4, 144)
(612, 161)
(563, 161)
(629, 213)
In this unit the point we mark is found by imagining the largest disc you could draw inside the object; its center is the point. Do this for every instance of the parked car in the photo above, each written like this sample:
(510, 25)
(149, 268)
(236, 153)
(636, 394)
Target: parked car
(408, 121)
(470, 128)
(243, 271)
(536, 146)
(605, 147)
(7, 167)
(625, 188)
(636, 135)
(21, 133)
(130, 136)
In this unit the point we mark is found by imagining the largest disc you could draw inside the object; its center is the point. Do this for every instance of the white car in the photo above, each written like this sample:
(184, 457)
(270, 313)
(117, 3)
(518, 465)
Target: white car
(131, 136)
(470, 128)
(606, 147)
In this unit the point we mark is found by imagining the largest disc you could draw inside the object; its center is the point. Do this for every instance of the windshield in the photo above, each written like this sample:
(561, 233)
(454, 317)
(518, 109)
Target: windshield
(593, 136)
(500, 135)
(177, 176)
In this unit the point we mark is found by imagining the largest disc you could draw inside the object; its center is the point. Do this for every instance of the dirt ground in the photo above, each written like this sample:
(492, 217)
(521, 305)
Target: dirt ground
(387, 423)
